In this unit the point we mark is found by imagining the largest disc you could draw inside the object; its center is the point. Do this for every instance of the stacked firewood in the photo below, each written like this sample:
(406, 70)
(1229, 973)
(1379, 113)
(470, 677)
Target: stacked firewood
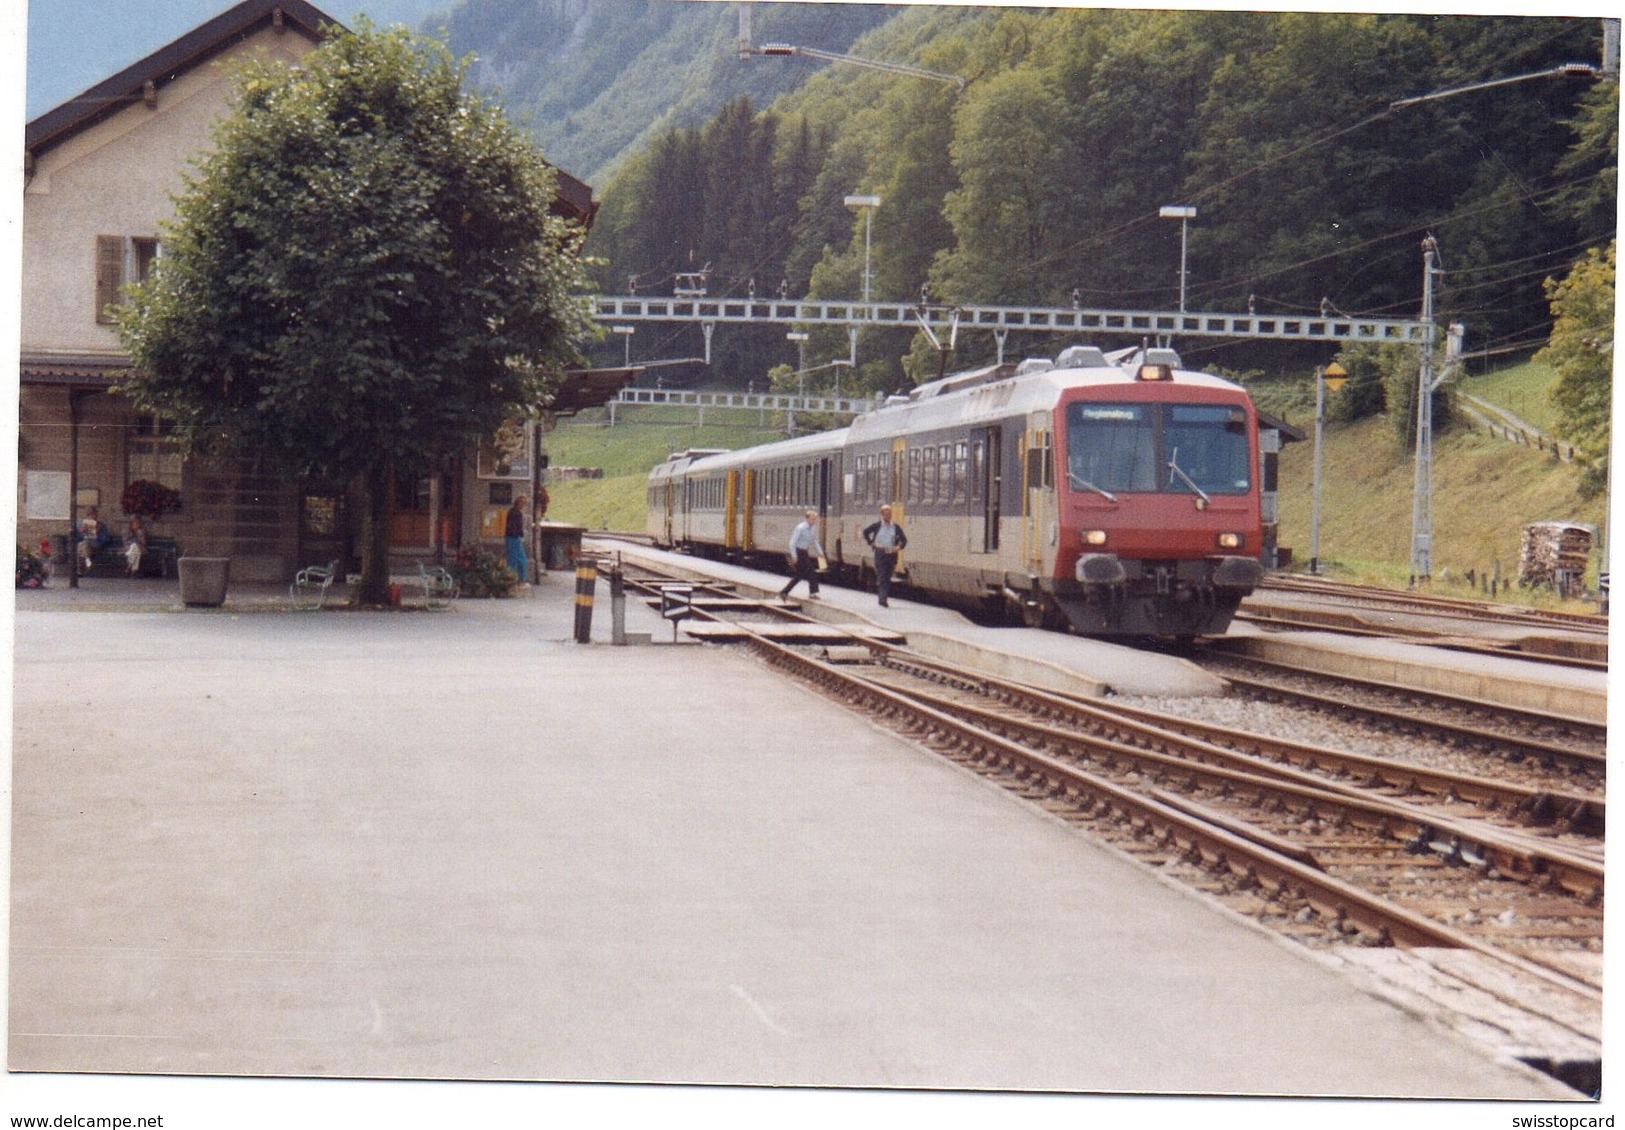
(1555, 554)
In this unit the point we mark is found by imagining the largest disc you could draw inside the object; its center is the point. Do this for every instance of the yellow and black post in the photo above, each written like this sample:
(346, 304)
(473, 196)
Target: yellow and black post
(586, 583)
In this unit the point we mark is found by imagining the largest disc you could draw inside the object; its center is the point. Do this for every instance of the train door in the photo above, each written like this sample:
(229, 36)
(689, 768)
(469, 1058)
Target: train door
(1037, 483)
(730, 511)
(668, 491)
(986, 479)
(747, 511)
(899, 479)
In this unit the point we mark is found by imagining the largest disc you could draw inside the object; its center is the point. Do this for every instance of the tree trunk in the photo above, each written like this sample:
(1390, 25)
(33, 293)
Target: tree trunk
(374, 588)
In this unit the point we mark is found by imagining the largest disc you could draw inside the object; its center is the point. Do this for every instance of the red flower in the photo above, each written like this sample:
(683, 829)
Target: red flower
(149, 499)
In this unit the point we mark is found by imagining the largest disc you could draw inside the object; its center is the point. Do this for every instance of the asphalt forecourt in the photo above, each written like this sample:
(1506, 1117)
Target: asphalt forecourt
(463, 846)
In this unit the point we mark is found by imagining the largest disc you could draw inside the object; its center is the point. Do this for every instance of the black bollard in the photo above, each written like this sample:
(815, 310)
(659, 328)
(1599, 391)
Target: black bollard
(586, 582)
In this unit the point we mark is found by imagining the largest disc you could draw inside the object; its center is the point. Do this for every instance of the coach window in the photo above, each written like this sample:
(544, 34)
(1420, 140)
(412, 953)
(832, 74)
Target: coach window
(1209, 442)
(1111, 447)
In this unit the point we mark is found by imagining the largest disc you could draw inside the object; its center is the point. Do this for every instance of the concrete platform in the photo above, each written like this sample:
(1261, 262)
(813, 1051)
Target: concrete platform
(410, 845)
(1048, 659)
(1096, 667)
(1529, 684)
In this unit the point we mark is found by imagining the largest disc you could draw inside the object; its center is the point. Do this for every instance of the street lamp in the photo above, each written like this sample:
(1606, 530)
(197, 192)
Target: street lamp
(1184, 213)
(1331, 376)
(868, 204)
(626, 333)
(801, 357)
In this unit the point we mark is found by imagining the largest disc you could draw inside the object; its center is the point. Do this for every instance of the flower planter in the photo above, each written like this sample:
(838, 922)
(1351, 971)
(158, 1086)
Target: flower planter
(203, 581)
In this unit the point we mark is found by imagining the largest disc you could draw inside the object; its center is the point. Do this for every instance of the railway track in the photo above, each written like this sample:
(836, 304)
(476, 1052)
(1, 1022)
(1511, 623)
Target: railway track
(1533, 743)
(1321, 844)
(1439, 607)
(1315, 604)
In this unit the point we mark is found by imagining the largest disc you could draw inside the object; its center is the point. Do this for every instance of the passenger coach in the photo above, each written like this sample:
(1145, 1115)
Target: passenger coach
(1111, 496)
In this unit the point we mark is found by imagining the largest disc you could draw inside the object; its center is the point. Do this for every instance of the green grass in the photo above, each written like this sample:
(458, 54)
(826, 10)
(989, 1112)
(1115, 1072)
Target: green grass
(641, 438)
(1484, 491)
(1521, 389)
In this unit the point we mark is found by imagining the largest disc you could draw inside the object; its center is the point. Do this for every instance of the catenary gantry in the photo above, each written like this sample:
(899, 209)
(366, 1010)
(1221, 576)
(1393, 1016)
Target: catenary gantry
(942, 319)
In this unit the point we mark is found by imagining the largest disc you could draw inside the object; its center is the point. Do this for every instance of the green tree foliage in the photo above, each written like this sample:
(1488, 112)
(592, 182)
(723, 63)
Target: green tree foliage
(1364, 394)
(1041, 180)
(1401, 367)
(1581, 349)
(364, 275)
(1591, 194)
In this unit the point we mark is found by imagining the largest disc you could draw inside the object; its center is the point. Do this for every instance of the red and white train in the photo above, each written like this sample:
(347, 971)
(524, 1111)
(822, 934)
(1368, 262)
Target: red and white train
(1109, 495)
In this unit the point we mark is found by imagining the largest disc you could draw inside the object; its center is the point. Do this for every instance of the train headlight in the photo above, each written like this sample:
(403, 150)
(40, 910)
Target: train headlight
(1094, 537)
(1231, 541)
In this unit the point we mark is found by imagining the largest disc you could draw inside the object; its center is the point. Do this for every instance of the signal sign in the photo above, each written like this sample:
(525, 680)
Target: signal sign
(677, 602)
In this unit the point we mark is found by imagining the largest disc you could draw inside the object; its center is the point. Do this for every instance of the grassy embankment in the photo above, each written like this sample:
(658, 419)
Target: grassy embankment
(1484, 489)
(641, 438)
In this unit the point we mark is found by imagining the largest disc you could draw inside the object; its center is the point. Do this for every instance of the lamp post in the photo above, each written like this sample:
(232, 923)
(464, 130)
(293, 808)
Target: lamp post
(801, 358)
(868, 204)
(626, 333)
(1332, 375)
(1184, 213)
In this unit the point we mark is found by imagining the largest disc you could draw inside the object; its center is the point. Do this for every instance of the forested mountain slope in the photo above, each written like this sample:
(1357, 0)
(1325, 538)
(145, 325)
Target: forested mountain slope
(595, 79)
(1041, 180)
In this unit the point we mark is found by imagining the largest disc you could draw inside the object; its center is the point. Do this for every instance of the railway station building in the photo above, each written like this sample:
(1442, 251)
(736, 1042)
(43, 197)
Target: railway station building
(100, 172)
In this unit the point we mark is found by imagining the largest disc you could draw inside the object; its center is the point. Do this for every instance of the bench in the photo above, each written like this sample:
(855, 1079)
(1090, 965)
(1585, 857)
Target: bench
(440, 588)
(157, 560)
(313, 579)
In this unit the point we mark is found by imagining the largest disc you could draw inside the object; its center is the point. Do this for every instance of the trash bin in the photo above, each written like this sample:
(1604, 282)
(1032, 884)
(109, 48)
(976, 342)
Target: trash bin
(561, 544)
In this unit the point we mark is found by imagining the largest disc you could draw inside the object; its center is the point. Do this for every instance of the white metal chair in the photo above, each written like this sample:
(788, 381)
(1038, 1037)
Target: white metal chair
(440, 588)
(313, 579)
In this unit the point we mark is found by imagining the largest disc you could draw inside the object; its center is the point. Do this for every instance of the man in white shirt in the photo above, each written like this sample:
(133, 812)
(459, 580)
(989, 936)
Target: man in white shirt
(804, 554)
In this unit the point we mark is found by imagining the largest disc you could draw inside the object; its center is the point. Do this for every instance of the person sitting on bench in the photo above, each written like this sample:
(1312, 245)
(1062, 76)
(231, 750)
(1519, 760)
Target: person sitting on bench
(135, 543)
(92, 536)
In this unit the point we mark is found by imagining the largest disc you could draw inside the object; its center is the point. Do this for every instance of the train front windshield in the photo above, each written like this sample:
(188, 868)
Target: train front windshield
(1113, 447)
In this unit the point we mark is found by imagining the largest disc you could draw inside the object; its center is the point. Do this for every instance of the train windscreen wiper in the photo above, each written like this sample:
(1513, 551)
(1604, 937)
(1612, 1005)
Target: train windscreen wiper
(1174, 469)
(1085, 484)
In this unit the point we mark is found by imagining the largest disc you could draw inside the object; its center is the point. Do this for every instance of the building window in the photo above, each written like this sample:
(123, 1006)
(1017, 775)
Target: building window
(152, 453)
(120, 261)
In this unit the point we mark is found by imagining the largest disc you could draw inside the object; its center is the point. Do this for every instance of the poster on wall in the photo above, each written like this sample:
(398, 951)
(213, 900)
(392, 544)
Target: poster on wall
(506, 455)
(46, 494)
(494, 522)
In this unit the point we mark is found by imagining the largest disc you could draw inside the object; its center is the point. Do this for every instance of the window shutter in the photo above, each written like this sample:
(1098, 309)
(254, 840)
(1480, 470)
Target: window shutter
(109, 274)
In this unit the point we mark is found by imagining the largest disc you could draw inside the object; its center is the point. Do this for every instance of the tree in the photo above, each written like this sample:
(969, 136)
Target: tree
(363, 277)
(1581, 349)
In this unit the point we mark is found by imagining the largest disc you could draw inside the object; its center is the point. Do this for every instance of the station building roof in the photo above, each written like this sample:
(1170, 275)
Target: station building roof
(141, 81)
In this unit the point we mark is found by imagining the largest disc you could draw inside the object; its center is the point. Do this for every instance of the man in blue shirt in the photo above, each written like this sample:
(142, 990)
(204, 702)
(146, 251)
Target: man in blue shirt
(804, 554)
